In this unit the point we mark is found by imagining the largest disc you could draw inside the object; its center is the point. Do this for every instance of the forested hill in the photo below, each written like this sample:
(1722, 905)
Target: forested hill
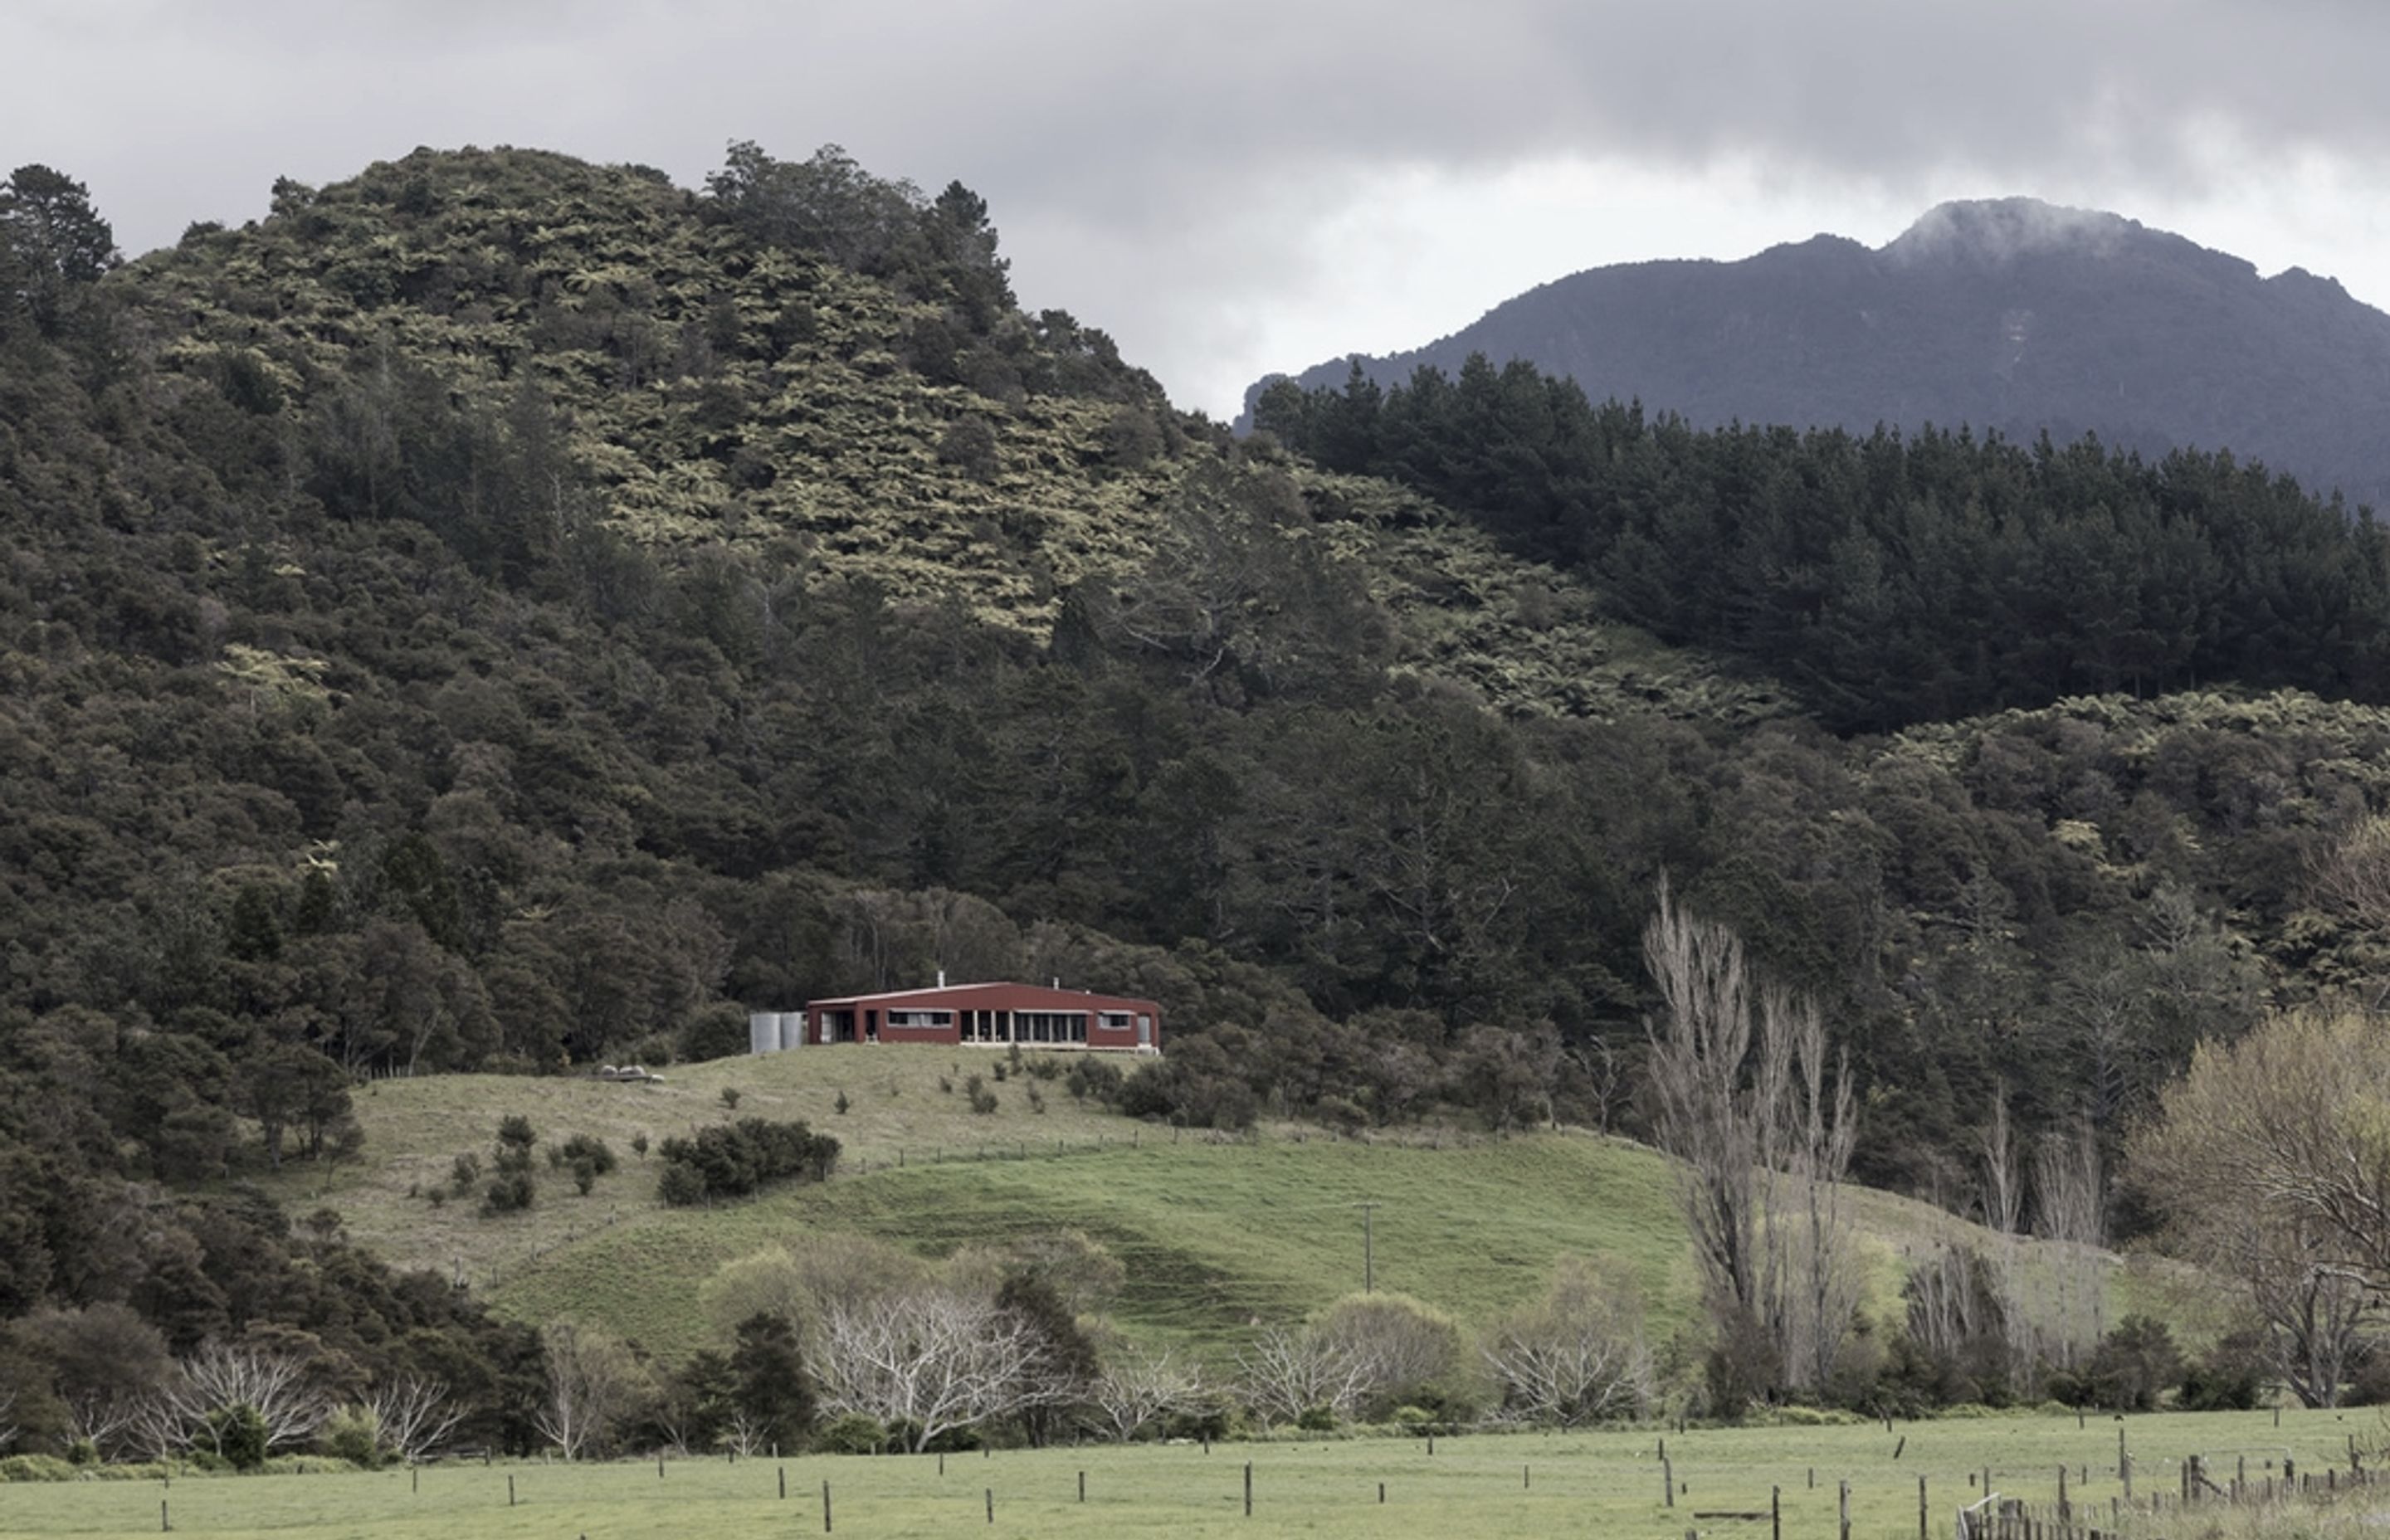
(502, 612)
(2008, 316)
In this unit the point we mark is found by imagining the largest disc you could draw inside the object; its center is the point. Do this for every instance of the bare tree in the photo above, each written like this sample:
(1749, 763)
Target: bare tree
(934, 1358)
(592, 1380)
(1138, 1385)
(1287, 1371)
(278, 1386)
(111, 1424)
(413, 1417)
(7, 1416)
(2070, 1192)
(1574, 1357)
(1825, 1282)
(2315, 1313)
(1761, 1144)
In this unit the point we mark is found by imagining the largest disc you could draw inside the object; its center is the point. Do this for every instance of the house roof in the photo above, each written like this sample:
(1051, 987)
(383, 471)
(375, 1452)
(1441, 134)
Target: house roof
(1041, 996)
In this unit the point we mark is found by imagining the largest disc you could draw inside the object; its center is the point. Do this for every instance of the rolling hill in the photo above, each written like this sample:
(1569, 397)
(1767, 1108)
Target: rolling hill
(1217, 1235)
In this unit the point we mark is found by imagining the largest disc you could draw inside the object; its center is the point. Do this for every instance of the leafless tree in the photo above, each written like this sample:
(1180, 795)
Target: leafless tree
(1741, 1099)
(7, 1416)
(112, 1424)
(1574, 1357)
(2313, 1311)
(1138, 1385)
(592, 1380)
(742, 1434)
(279, 1386)
(2070, 1194)
(935, 1358)
(413, 1417)
(1287, 1371)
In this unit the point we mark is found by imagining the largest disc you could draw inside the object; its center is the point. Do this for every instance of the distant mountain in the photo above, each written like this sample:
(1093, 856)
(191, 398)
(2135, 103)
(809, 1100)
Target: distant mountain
(2011, 315)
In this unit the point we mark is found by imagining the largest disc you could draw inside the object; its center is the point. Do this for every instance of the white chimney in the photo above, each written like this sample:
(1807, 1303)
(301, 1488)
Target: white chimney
(942, 978)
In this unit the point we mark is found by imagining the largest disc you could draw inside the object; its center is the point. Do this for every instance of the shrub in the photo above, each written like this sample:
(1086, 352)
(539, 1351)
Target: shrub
(36, 1468)
(466, 1173)
(583, 1147)
(730, 1097)
(509, 1192)
(1100, 1078)
(731, 1160)
(1036, 1099)
(841, 1104)
(680, 1185)
(514, 1136)
(855, 1433)
(238, 1434)
(352, 1433)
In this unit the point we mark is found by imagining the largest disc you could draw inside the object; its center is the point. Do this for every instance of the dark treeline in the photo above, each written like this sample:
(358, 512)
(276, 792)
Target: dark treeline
(1891, 578)
(348, 725)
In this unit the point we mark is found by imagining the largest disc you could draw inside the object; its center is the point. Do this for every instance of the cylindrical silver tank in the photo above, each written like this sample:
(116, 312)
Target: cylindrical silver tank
(793, 1029)
(762, 1032)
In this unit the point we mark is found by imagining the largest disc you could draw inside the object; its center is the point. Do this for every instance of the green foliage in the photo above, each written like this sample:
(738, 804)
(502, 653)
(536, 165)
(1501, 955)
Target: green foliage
(733, 1160)
(1896, 579)
(352, 1434)
(852, 1434)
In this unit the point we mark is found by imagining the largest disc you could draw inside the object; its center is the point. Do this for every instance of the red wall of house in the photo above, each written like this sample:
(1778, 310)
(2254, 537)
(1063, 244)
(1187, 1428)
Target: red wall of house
(959, 999)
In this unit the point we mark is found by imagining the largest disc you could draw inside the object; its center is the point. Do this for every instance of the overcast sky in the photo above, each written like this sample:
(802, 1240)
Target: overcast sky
(1235, 188)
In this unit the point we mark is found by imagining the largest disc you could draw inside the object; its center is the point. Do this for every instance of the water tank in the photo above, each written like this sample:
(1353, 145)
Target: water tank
(762, 1032)
(793, 1029)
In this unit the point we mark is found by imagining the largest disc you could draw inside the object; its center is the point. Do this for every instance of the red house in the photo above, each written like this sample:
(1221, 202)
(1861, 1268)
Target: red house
(985, 1014)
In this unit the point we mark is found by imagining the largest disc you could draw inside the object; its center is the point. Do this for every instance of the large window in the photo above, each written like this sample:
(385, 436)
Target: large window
(920, 1017)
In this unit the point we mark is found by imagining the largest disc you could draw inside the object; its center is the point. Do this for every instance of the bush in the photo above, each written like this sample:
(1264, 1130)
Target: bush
(732, 1159)
(509, 1192)
(680, 1185)
(2229, 1377)
(2132, 1366)
(352, 1433)
(36, 1467)
(853, 1433)
(1100, 1078)
(237, 1433)
(514, 1136)
(466, 1173)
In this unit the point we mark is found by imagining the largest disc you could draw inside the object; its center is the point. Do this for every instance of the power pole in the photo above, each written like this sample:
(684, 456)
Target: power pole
(1368, 1246)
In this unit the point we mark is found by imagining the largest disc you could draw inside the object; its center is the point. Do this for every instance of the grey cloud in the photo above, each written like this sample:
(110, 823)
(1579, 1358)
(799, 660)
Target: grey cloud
(1183, 137)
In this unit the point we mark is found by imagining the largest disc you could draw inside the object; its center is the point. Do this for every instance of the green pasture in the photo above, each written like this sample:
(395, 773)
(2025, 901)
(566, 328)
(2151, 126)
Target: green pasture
(1604, 1483)
(1215, 1234)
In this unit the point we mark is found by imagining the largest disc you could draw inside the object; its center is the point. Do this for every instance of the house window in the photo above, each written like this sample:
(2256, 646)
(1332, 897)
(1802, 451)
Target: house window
(920, 1017)
(1118, 1021)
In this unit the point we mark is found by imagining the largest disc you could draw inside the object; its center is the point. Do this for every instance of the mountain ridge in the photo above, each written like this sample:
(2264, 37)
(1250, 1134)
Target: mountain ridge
(2006, 315)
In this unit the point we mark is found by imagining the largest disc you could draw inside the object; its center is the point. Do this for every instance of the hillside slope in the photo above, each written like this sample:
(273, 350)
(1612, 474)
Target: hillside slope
(1215, 1234)
(2010, 316)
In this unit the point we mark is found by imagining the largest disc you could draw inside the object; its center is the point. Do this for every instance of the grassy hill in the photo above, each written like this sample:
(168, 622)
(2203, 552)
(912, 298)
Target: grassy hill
(1217, 1235)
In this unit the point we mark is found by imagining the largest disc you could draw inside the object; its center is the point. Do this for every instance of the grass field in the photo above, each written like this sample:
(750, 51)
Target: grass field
(1602, 1483)
(1215, 1236)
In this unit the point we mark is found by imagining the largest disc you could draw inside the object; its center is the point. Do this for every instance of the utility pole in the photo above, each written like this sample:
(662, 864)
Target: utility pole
(1368, 1246)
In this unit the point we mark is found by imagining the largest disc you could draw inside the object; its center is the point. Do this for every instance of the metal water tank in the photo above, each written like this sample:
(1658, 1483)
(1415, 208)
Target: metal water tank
(762, 1032)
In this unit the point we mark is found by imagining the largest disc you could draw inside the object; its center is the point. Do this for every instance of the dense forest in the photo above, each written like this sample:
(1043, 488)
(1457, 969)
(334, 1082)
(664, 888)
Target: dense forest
(1891, 579)
(506, 613)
